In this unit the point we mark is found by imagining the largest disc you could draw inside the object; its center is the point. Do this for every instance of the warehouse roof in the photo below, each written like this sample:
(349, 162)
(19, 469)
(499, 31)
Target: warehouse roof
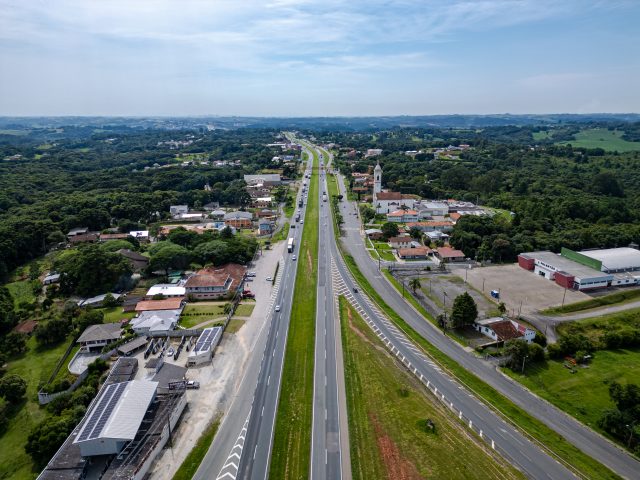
(563, 264)
(166, 289)
(616, 258)
(118, 411)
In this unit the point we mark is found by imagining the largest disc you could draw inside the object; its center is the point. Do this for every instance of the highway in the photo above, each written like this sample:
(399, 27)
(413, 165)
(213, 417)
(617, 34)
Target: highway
(329, 441)
(572, 430)
(503, 437)
(242, 449)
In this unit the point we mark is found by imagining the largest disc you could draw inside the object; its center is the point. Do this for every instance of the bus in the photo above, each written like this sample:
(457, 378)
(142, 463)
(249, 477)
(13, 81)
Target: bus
(290, 245)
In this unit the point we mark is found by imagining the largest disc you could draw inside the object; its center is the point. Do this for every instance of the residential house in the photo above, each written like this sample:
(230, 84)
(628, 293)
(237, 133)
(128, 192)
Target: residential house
(177, 210)
(140, 235)
(166, 304)
(96, 337)
(51, 278)
(432, 226)
(105, 237)
(374, 233)
(97, 300)
(212, 283)
(238, 219)
(502, 330)
(77, 231)
(403, 216)
(138, 262)
(400, 242)
(83, 238)
(217, 214)
(417, 253)
(167, 290)
(448, 254)
(154, 321)
(373, 152)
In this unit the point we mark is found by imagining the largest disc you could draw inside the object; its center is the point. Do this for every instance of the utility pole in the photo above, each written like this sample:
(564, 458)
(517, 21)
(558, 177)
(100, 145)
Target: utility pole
(523, 360)
(483, 284)
(444, 299)
(403, 288)
(564, 295)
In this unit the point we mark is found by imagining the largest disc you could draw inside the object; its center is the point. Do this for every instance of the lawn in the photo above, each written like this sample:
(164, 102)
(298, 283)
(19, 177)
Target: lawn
(192, 462)
(292, 436)
(34, 366)
(584, 394)
(197, 313)
(602, 138)
(115, 314)
(383, 250)
(21, 292)
(618, 298)
(234, 325)
(562, 449)
(245, 309)
(387, 410)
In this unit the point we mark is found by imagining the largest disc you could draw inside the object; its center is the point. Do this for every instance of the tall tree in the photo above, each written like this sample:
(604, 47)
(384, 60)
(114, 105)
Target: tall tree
(464, 311)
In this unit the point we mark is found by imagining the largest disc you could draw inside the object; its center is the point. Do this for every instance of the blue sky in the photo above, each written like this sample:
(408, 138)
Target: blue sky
(312, 58)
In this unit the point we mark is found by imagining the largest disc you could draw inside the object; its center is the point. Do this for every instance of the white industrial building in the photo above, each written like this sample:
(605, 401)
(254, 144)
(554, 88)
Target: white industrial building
(202, 352)
(115, 417)
(585, 270)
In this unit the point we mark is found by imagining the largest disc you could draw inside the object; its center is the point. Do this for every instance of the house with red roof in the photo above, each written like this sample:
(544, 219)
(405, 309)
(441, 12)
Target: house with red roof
(504, 329)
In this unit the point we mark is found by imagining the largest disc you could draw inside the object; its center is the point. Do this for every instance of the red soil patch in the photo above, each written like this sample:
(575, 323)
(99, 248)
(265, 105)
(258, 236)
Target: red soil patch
(398, 468)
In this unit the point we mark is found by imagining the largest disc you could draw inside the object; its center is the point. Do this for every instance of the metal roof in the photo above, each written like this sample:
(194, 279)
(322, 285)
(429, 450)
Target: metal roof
(207, 338)
(118, 411)
(563, 264)
(624, 258)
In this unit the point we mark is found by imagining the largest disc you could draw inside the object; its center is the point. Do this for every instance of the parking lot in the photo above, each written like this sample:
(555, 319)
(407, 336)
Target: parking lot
(521, 290)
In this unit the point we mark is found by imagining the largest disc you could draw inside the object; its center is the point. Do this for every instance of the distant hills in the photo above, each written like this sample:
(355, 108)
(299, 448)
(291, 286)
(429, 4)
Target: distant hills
(334, 123)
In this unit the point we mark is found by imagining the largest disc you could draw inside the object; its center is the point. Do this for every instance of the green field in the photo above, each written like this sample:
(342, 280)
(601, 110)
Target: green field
(34, 366)
(21, 292)
(292, 436)
(387, 410)
(383, 250)
(596, 327)
(609, 140)
(544, 135)
(618, 298)
(234, 325)
(115, 314)
(560, 448)
(192, 462)
(197, 313)
(584, 394)
(244, 309)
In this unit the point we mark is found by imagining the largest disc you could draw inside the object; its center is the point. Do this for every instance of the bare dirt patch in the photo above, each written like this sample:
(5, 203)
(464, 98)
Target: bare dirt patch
(398, 468)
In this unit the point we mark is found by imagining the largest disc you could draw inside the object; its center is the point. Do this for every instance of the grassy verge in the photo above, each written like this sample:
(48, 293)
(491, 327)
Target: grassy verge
(115, 314)
(570, 455)
(22, 292)
(620, 297)
(292, 437)
(192, 462)
(244, 310)
(35, 366)
(282, 234)
(584, 394)
(234, 325)
(388, 411)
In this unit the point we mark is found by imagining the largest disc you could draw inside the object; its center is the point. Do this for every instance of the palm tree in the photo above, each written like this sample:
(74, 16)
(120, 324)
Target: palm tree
(414, 284)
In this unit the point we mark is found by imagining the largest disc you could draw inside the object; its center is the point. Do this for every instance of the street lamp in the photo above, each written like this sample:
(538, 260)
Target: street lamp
(630, 427)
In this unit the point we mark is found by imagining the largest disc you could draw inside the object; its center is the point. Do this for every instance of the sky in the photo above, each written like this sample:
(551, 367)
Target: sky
(318, 58)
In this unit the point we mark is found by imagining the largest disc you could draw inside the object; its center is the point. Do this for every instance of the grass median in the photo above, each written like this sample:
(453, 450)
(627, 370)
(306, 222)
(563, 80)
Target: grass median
(389, 413)
(554, 443)
(292, 438)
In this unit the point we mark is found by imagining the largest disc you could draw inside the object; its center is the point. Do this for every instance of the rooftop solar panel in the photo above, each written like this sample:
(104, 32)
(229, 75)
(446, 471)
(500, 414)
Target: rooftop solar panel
(206, 339)
(100, 414)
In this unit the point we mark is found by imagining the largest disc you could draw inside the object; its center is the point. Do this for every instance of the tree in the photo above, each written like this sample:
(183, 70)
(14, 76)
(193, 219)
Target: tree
(464, 311)
(367, 213)
(13, 388)
(53, 331)
(390, 229)
(414, 284)
(47, 436)
(87, 318)
(109, 301)
(502, 308)
(517, 350)
(215, 251)
(168, 257)
(415, 232)
(13, 343)
(8, 319)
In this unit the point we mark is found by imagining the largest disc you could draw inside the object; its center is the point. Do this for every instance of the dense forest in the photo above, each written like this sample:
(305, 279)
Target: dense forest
(102, 179)
(558, 195)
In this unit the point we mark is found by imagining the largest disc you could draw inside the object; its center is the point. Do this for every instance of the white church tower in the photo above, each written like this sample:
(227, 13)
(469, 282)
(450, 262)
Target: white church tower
(377, 179)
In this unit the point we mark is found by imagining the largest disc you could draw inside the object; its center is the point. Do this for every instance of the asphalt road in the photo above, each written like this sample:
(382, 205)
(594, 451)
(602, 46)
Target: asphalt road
(329, 456)
(572, 430)
(251, 425)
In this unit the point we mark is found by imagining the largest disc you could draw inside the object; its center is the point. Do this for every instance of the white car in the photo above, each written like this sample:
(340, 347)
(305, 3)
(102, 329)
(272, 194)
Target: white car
(269, 279)
(277, 308)
(293, 258)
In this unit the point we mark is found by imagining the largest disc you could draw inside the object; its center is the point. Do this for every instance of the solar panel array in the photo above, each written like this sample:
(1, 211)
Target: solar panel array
(102, 411)
(206, 338)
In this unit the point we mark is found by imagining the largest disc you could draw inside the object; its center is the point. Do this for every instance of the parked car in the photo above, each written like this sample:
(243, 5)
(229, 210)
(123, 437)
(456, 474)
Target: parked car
(269, 279)
(192, 384)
